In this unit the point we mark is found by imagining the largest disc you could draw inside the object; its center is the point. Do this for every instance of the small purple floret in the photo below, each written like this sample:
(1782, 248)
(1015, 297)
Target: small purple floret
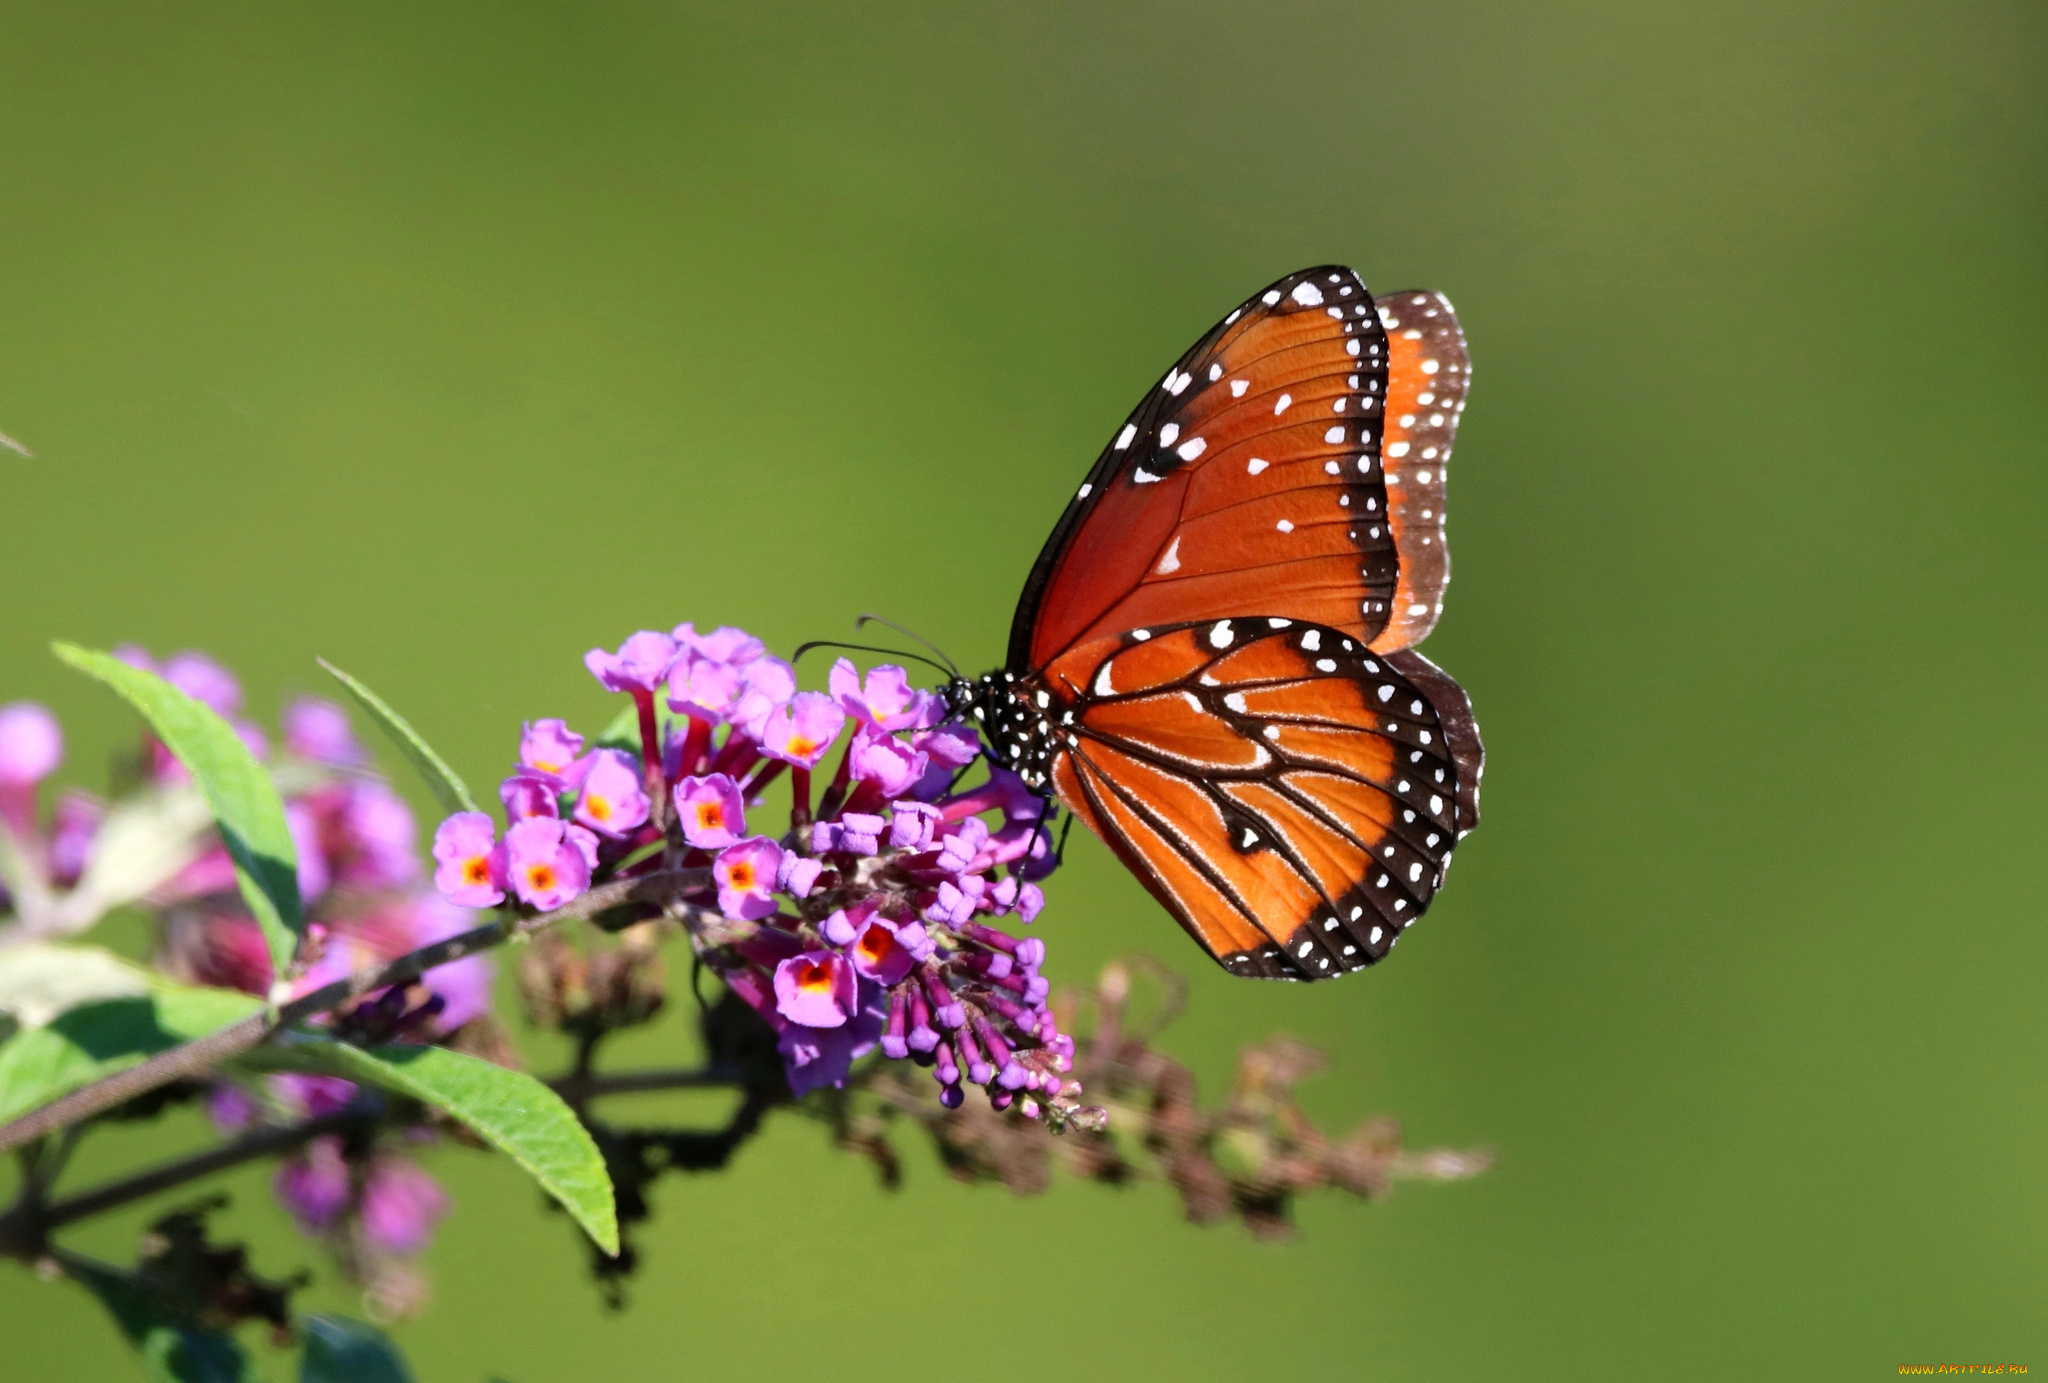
(611, 801)
(746, 878)
(640, 664)
(470, 871)
(549, 746)
(546, 864)
(710, 811)
(31, 744)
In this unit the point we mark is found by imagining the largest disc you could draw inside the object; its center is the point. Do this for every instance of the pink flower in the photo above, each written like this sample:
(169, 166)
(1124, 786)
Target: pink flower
(470, 870)
(300, 820)
(885, 700)
(546, 864)
(887, 762)
(612, 802)
(816, 1057)
(724, 644)
(549, 746)
(205, 681)
(878, 954)
(770, 685)
(314, 1184)
(817, 989)
(801, 732)
(31, 745)
(319, 730)
(401, 1205)
(529, 794)
(705, 688)
(377, 834)
(746, 875)
(711, 812)
(639, 665)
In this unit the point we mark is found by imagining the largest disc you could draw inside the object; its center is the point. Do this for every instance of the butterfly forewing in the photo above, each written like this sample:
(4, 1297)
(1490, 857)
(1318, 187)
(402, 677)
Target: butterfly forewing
(1427, 381)
(1290, 796)
(1252, 467)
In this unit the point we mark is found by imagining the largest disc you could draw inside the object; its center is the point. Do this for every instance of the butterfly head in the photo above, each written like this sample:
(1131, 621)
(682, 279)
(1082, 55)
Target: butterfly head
(1020, 721)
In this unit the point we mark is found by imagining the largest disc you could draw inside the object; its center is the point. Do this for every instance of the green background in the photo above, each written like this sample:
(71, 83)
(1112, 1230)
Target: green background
(449, 341)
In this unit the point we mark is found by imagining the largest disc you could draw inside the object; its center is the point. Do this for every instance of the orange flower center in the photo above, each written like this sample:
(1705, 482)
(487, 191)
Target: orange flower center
(875, 943)
(740, 874)
(540, 877)
(710, 815)
(814, 974)
(476, 870)
(597, 806)
(799, 745)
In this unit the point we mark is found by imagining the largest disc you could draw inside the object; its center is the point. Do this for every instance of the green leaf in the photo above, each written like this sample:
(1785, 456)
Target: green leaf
(449, 790)
(339, 1350)
(245, 806)
(94, 1040)
(40, 981)
(510, 1110)
(173, 1348)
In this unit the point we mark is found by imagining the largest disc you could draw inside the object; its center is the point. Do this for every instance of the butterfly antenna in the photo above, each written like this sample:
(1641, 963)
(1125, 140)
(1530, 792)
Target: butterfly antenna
(871, 648)
(907, 632)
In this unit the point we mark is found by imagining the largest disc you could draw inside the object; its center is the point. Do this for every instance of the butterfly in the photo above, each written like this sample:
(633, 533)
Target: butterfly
(1212, 662)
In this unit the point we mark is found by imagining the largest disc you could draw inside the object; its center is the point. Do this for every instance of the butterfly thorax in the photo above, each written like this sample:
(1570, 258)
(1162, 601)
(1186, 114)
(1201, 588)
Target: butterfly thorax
(1018, 718)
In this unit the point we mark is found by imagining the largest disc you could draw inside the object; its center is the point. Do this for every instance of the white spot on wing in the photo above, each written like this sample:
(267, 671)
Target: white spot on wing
(1284, 526)
(1142, 476)
(1254, 466)
(1281, 406)
(1220, 634)
(1307, 294)
(1168, 433)
(1085, 489)
(1123, 439)
(1238, 386)
(1171, 561)
(1192, 448)
(1102, 683)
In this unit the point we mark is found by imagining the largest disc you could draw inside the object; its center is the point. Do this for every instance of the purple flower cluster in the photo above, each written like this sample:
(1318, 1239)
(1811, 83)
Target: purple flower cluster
(865, 924)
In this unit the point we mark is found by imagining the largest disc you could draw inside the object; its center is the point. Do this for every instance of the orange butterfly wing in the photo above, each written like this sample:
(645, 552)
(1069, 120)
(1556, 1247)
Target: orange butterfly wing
(1427, 380)
(1248, 478)
(1289, 796)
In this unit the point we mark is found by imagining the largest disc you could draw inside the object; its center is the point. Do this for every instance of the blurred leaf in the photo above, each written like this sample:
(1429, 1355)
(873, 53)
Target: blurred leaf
(339, 1350)
(98, 1039)
(142, 842)
(623, 732)
(173, 1348)
(510, 1110)
(449, 790)
(23, 884)
(40, 981)
(246, 807)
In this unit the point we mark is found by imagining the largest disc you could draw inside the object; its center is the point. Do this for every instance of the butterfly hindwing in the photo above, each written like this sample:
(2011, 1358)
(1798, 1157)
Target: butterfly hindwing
(1290, 796)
